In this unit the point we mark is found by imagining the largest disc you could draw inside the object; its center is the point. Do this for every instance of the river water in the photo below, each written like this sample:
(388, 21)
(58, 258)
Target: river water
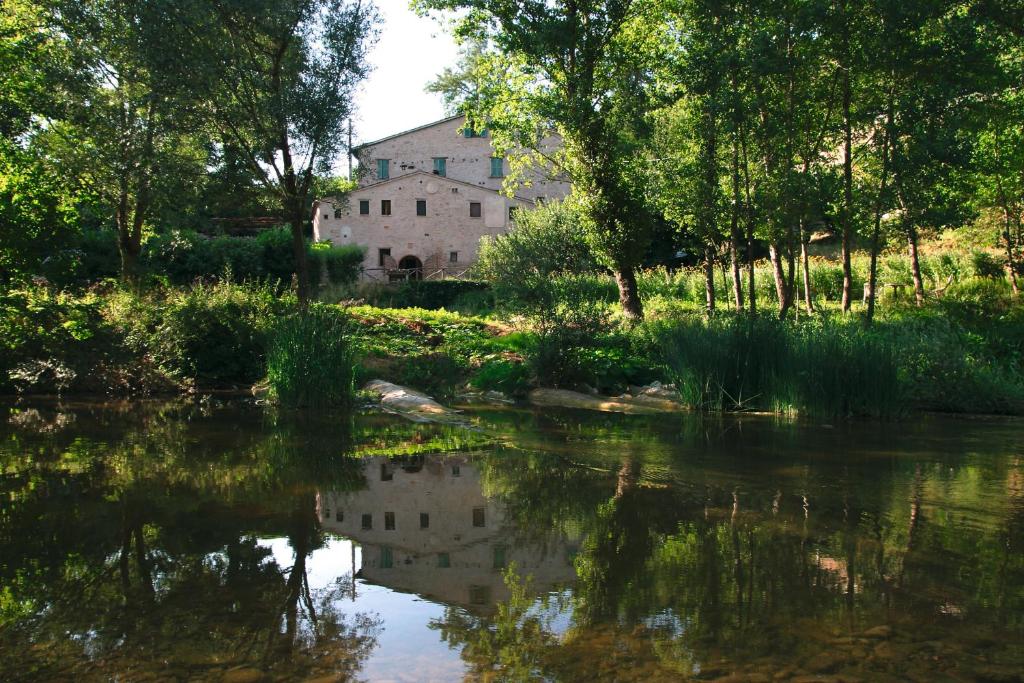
(220, 541)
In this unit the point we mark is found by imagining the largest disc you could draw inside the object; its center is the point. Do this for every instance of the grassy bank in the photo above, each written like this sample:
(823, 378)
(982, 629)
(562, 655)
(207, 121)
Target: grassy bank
(960, 353)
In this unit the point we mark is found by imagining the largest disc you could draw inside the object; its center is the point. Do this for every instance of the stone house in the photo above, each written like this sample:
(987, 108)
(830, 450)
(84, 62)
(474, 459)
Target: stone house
(424, 199)
(424, 525)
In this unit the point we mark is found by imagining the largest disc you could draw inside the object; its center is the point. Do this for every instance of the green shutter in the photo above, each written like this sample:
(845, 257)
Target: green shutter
(383, 169)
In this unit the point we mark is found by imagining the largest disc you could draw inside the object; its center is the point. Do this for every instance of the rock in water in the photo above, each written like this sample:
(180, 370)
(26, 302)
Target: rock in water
(410, 403)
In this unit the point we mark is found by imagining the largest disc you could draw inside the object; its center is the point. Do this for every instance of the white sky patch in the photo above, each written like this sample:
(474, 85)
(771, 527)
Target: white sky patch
(411, 52)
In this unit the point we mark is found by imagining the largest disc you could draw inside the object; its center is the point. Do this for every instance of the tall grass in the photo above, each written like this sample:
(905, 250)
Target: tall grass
(310, 361)
(760, 363)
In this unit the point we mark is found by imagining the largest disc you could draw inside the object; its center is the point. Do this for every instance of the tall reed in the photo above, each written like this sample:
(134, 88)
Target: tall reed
(310, 362)
(761, 363)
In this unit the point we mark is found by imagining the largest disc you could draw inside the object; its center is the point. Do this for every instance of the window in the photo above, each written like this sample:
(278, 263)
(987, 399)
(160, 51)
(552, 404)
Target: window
(497, 167)
(440, 166)
(479, 517)
(512, 212)
(456, 472)
(468, 132)
(383, 169)
(337, 212)
(326, 217)
(444, 560)
(367, 521)
(364, 207)
(389, 521)
(387, 559)
(339, 516)
(500, 557)
(385, 207)
(424, 520)
(453, 257)
(386, 472)
(421, 207)
(479, 595)
(541, 200)
(474, 209)
(382, 256)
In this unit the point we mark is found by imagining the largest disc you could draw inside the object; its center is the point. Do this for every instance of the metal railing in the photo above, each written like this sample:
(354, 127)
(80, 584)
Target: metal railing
(391, 275)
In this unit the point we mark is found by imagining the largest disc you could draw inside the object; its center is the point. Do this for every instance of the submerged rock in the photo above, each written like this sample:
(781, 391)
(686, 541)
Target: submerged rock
(562, 398)
(651, 400)
(411, 403)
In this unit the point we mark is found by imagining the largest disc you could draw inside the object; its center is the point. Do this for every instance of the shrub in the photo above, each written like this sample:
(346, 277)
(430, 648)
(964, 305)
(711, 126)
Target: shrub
(985, 265)
(427, 294)
(436, 374)
(213, 334)
(827, 280)
(506, 376)
(340, 264)
(310, 361)
(546, 241)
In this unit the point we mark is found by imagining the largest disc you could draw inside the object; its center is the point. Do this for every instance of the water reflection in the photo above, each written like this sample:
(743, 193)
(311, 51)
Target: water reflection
(210, 542)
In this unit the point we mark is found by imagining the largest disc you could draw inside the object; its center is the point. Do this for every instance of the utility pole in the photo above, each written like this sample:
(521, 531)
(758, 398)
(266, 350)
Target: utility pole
(351, 175)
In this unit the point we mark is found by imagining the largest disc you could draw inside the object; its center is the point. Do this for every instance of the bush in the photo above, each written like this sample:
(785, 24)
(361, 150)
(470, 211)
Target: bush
(341, 264)
(310, 362)
(985, 265)
(436, 374)
(547, 241)
(428, 294)
(211, 334)
(506, 376)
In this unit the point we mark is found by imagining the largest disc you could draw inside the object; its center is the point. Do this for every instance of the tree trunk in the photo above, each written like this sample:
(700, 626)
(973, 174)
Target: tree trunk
(1011, 262)
(709, 279)
(301, 263)
(879, 207)
(780, 278)
(790, 277)
(734, 229)
(847, 213)
(629, 297)
(805, 263)
(749, 214)
(915, 263)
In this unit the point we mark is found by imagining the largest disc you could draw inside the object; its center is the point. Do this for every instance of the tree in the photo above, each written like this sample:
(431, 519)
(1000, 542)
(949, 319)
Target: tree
(582, 69)
(125, 126)
(280, 78)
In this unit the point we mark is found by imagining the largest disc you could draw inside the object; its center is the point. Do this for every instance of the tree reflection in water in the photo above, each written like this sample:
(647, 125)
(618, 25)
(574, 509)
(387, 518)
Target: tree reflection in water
(140, 544)
(153, 562)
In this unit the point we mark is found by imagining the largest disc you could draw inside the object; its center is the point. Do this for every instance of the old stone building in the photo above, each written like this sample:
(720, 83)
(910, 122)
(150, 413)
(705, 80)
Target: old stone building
(425, 198)
(424, 525)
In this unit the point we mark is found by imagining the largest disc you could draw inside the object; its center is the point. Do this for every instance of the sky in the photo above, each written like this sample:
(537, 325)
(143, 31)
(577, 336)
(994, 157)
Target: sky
(411, 51)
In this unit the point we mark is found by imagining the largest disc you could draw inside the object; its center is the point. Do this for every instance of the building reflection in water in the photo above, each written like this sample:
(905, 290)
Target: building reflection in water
(425, 526)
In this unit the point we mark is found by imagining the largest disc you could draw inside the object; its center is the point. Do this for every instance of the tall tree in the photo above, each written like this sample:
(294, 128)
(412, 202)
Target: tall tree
(124, 122)
(280, 77)
(582, 69)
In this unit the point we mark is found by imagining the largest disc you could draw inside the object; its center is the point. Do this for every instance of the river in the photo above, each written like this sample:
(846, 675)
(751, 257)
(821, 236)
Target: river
(222, 541)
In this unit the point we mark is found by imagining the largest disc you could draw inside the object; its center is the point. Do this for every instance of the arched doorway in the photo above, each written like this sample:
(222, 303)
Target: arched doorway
(413, 265)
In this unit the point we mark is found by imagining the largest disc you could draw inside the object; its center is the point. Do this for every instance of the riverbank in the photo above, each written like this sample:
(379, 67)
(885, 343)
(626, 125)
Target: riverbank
(954, 355)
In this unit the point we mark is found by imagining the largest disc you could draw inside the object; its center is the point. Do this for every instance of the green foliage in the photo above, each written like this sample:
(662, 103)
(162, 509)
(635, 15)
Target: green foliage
(545, 243)
(185, 256)
(509, 377)
(432, 295)
(50, 342)
(212, 334)
(34, 219)
(437, 374)
(341, 264)
(310, 361)
(761, 363)
(985, 265)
